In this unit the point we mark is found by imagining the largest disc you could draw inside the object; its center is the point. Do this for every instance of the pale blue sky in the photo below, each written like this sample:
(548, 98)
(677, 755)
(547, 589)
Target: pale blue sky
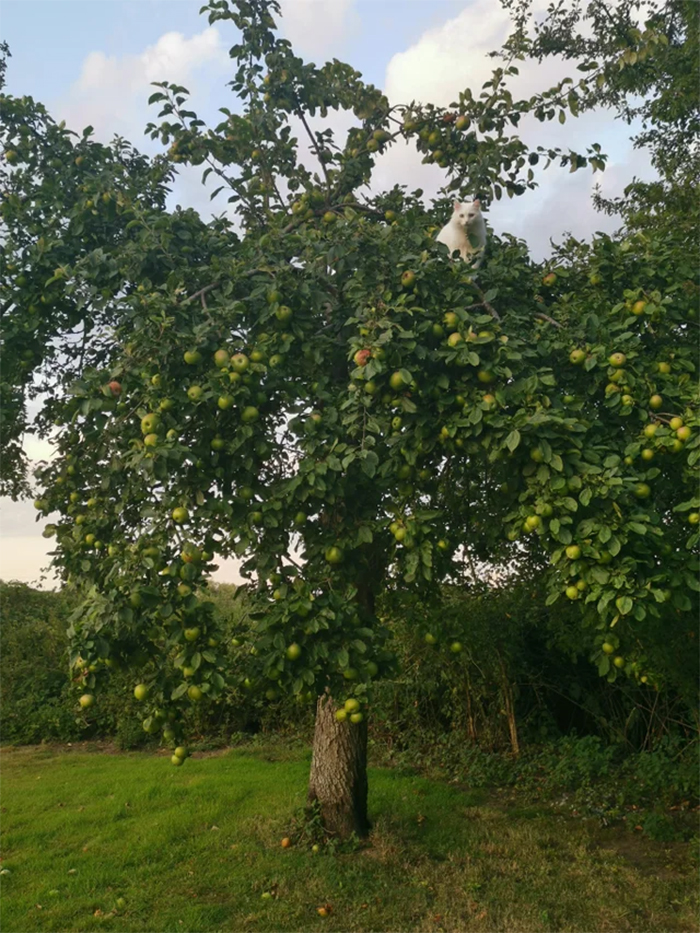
(50, 38)
(92, 61)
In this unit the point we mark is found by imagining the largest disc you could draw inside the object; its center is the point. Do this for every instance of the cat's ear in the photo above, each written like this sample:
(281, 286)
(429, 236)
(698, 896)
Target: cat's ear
(477, 204)
(456, 205)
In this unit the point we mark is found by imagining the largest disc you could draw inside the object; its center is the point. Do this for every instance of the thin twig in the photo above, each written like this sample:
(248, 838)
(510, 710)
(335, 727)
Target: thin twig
(314, 143)
(484, 303)
(545, 317)
(201, 292)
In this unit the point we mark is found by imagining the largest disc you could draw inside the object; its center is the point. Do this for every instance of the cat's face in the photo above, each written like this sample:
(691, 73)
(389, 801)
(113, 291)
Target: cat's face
(467, 212)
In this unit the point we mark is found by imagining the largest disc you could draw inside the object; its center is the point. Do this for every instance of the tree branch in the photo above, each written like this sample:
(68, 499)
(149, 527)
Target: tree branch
(300, 113)
(201, 293)
(545, 317)
(484, 303)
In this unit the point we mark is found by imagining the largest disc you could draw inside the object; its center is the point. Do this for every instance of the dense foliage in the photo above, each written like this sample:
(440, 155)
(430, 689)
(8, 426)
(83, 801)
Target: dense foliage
(607, 749)
(329, 397)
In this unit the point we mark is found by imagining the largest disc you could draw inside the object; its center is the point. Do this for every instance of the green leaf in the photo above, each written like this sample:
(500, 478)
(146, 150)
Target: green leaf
(364, 535)
(513, 440)
(624, 605)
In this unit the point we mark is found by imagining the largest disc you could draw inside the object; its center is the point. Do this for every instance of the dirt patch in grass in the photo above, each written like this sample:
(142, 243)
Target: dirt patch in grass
(667, 861)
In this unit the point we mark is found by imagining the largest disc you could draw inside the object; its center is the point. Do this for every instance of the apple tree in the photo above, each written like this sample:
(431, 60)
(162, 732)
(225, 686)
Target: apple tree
(320, 391)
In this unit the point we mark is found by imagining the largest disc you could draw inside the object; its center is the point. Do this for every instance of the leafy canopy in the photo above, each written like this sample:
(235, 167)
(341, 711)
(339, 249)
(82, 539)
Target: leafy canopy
(321, 392)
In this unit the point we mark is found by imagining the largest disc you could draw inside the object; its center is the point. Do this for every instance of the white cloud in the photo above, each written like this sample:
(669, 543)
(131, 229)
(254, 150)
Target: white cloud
(318, 27)
(111, 93)
(453, 56)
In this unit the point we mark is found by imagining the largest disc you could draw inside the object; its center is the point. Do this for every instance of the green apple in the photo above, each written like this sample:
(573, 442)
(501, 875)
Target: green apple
(150, 423)
(192, 357)
(293, 651)
(656, 402)
(573, 552)
(352, 705)
(396, 381)
(176, 760)
(572, 592)
(642, 491)
(356, 718)
(577, 357)
(192, 634)
(194, 693)
(249, 414)
(456, 647)
(619, 661)
(608, 648)
(221, 359)
(334, 555)
(341, 715)
(617, 360)
(86, 700)
(429, 638)
(140, 691)
(180, 514)
(532, 522)
(239, 362)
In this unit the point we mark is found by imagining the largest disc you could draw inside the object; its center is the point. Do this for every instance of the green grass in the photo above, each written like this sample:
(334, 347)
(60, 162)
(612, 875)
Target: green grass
(81, 829)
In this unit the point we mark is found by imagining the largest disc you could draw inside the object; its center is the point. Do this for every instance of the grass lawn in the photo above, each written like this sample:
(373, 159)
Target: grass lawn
(196, 848)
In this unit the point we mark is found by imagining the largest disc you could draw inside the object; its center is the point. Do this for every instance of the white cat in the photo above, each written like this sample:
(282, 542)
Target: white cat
(465, 231)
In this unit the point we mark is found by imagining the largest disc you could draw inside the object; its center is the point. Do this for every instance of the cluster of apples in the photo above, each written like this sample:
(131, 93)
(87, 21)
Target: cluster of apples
(350, 711)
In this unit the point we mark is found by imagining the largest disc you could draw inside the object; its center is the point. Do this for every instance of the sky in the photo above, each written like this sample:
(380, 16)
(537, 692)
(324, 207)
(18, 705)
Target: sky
(92, 62)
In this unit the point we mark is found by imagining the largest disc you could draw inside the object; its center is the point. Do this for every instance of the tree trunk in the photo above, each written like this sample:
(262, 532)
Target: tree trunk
(471, 721)
(338, 779)
(509, 704)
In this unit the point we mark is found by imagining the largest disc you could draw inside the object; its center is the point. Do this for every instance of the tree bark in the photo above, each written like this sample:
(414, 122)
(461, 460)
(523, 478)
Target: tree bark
(509, 704)
(338, 779)
(471, 721)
